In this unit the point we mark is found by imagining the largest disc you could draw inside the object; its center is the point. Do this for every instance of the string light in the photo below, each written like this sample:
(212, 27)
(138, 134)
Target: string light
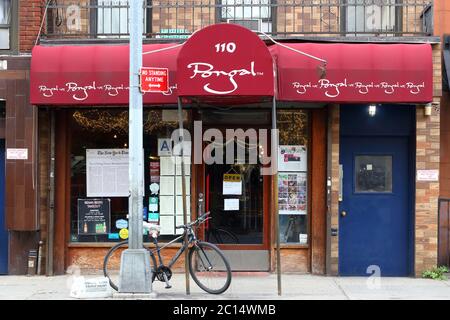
(117, 122)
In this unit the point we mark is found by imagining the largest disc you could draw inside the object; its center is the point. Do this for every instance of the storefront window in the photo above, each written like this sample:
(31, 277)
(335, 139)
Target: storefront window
(293, 175)
(99, 174)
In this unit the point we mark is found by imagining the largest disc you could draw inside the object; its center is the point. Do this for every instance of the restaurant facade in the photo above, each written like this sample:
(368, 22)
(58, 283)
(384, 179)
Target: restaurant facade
(349, 191)
(329, 143)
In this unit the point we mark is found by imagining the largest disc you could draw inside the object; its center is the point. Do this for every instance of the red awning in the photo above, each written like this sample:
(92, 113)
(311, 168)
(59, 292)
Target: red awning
(355, 73)
(94, 75)
(225, 62)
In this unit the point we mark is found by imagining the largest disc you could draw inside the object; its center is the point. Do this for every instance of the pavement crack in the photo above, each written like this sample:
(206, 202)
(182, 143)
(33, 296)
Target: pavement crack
(341, 289)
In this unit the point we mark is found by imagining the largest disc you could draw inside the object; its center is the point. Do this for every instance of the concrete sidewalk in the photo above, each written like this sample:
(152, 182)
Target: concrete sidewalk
(258, 286)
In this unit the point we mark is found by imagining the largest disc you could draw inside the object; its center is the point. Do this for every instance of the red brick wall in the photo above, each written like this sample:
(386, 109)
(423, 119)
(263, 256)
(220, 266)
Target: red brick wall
(30, 17)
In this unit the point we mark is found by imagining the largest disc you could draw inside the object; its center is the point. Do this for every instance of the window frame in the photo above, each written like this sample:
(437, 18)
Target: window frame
(272, 19)
(308, 172)
(354, 174)
(93, 21)
(398, 21)
(13, 29)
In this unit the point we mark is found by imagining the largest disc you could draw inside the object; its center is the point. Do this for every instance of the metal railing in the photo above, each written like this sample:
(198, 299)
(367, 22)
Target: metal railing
(178, 19)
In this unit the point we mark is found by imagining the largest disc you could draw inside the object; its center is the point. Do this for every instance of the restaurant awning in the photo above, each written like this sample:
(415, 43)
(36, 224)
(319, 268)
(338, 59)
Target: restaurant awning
(355, 73)
(204, 69)
(94, 75)
(225, 62)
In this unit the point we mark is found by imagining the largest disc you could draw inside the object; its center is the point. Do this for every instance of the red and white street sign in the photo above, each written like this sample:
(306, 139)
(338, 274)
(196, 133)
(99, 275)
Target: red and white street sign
(154, 79)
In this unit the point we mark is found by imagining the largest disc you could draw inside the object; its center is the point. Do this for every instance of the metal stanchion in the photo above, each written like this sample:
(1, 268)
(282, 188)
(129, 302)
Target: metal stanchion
(183, 192)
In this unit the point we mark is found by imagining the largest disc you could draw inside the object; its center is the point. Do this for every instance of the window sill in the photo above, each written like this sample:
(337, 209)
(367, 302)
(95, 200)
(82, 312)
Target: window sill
(294, 246)
(111, 244)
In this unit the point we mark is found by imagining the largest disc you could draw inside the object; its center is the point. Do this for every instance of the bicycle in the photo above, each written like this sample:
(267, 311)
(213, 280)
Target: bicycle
(206, 261)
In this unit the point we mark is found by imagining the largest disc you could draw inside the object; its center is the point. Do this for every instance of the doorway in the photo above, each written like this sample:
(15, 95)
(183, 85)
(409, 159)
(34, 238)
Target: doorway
(375, 214)
(237, 193)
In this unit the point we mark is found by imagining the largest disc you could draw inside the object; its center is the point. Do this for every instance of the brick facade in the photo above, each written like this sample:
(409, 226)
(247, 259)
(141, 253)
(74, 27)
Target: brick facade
(30, 14)
(427, 193)
(334, 198)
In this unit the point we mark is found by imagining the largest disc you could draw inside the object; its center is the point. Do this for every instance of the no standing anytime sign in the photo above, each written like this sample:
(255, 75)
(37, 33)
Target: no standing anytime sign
(154, 79)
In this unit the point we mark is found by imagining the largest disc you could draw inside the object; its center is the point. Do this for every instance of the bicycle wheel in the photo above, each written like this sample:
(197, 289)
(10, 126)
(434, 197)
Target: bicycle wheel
(209, 268)
(112, 259)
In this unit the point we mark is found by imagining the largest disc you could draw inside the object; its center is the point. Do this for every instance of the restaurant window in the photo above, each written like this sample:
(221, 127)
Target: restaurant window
(253, 14)
(371, 16)
(293, 153)
(8, 10)
(99, 174)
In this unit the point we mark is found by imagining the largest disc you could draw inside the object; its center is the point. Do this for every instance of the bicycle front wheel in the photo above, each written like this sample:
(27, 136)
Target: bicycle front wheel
(209, 268)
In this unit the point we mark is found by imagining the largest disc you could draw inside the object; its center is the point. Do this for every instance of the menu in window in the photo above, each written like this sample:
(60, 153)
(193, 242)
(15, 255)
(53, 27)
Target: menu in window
(107, 173)
(94, 216)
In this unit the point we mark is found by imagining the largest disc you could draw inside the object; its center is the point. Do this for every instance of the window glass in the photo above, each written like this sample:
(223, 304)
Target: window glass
(112, 18)
(293, 175)
(373, 174)
(370, 16)
(5, 21)
(99, 174)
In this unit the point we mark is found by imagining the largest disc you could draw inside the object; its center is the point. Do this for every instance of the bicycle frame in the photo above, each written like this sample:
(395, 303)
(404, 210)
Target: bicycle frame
(191, 239)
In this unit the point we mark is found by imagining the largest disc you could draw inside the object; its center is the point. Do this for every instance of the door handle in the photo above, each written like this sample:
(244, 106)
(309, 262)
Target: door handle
(343, 214)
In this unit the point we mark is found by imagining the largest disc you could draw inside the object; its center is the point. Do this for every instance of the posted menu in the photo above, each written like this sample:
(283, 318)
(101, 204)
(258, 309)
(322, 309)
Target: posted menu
(94, 216)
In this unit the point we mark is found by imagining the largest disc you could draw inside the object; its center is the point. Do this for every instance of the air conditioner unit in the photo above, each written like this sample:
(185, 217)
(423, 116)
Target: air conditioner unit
(252, 24)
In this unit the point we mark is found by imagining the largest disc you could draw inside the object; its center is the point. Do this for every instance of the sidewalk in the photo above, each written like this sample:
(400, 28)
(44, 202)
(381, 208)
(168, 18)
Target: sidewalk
(249, 287)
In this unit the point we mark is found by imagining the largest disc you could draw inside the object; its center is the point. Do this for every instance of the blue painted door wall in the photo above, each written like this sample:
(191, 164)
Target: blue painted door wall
(377, 229)
(3, 231)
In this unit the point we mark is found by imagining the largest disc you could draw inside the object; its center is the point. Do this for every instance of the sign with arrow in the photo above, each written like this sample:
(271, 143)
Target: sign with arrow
(154, 79)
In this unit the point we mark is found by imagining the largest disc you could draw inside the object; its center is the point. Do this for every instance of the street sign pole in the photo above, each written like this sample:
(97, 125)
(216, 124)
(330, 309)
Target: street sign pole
(135, 272)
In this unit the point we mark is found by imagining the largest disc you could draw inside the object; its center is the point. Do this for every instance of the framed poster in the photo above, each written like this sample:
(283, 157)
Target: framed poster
(94, 216)
(292, 193)
(292, 158)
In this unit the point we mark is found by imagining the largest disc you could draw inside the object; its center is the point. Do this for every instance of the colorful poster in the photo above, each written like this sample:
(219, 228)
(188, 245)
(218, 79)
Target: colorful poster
(292, 158)
(154, 171)
(292, 193)
(153, 204)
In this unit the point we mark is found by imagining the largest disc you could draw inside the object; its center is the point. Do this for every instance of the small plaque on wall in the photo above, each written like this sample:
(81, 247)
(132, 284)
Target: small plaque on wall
(428, 175)
(17, 154)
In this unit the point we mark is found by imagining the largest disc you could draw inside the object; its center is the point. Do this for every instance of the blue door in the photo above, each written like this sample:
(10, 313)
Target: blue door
(3, 231)
(375, 219)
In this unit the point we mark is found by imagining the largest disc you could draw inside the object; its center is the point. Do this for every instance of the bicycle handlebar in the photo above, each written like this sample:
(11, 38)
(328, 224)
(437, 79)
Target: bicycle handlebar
(198, 221)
